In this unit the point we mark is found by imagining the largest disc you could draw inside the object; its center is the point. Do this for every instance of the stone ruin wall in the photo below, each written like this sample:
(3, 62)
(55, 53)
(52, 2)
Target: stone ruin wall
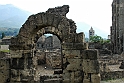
(79, 64)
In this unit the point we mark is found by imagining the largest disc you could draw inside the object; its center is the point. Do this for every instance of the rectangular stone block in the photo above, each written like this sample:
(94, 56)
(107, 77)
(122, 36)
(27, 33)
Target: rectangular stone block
(95, 78)
(80, 46)
(81, 37)
(74, 64)
(4, 64)
(16, 53)
(90, 66)
(66, 46)
(66, 81)
(78, 80)
(71, 53)
(86, 81)
(66, 74)
(4, 75)
(91, 54)
(77, 74)
(74, 46)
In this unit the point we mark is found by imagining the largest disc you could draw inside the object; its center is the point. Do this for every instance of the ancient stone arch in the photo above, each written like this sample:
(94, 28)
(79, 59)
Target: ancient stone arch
(79, 65)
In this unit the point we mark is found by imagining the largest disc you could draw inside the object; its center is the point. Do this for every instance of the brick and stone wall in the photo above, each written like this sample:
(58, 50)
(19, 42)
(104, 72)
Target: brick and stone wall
(79, 64)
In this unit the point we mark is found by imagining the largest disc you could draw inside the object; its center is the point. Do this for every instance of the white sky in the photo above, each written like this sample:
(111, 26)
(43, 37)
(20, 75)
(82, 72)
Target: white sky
(96, 13)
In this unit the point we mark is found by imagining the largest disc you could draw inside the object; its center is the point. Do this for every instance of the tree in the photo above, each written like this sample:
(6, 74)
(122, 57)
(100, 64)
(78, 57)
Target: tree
(96, 39)
(3, 35)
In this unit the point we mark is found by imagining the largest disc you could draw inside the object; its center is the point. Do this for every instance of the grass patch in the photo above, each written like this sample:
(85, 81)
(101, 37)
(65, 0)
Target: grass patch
(5, 51)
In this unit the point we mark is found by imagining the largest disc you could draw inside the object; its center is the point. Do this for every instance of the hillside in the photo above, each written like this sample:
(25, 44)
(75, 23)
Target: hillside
(12, 17)
(9, 31)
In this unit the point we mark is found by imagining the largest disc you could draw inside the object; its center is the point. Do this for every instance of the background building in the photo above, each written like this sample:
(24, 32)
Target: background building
(91, 32)
(48, 43)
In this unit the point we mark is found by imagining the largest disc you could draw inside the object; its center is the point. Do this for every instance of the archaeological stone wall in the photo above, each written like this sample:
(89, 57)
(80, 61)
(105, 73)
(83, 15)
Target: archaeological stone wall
(79, 64)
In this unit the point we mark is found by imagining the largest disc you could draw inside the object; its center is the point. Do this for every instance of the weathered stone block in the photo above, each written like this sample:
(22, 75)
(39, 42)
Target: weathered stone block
(44, 18)
(56, 21)
(90, 66)
(80, 37)
(80, 46)
(50, 18)
(4, 76)
(70, 38)
(86, 81)
(78, 80)
(74, 46)
(4, 64)
(67, 46)
(66, 81)
(16, 53)
(78, 73)
(71, 53)
(66, 74)
(91, 54)
(95, 78)
(74, 64)
(38, 19)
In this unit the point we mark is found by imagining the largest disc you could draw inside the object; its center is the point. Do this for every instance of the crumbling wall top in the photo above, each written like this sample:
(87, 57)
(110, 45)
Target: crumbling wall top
(62, 10)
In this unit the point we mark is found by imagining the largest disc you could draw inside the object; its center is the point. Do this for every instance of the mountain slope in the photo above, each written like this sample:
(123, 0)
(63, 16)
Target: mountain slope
(12, 17)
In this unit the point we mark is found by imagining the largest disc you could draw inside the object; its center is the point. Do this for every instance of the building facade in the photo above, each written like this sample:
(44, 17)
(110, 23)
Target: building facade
(91, 32)
(48, 43)
(117, 28)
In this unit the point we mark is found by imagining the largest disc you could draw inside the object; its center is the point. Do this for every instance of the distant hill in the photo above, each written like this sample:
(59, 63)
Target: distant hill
(12, 17)
(9, 31)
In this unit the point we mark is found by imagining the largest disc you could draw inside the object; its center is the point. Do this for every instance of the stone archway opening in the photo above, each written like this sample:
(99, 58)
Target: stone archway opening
(48, 53)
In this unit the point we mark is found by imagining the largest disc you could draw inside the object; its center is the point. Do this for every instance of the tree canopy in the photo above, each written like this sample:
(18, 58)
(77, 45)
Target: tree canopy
(98, 39)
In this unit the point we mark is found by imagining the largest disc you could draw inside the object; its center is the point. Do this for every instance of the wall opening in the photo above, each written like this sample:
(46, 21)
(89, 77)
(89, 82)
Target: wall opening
(49, 55)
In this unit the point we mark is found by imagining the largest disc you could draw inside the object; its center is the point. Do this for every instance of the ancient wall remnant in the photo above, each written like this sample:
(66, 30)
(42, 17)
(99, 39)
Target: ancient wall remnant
(79, 64)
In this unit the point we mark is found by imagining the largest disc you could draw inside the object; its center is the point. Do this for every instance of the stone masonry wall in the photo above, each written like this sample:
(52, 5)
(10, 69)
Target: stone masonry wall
(4, 70)
(79, 64)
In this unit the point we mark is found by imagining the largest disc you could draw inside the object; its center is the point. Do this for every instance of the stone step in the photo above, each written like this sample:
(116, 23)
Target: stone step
(55, 80)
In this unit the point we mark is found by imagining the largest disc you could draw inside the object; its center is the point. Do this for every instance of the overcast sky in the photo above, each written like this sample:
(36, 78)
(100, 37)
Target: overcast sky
(96, 13)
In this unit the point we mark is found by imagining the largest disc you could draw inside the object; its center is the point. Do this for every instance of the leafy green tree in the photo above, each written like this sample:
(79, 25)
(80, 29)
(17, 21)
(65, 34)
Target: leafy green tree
(99, 39)
(96, 39)
(3, 35)
(106, 41)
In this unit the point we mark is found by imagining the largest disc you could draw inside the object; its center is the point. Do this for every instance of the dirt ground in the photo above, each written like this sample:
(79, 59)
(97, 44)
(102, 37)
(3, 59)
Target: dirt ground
(43, 70)
(114, 81)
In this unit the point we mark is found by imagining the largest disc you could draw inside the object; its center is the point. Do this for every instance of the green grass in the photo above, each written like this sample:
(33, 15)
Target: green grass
(4, 50)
